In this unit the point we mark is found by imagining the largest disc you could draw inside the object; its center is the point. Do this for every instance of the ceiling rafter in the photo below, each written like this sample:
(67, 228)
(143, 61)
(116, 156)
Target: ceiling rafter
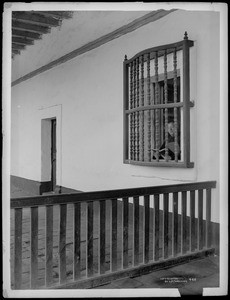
(26, 34)
(34, 18)
(28, 26)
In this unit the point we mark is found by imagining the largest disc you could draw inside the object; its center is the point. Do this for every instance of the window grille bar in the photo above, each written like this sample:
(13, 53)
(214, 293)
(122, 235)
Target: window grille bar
(166, 102)
(186, 95)
(132, 114)
(18, 248)
(113, 261)
(102, 237)
(157, 110)
(89, 240)
(142, 104)
(146, 229)
(175, 101)
(134, 106)
(192, 235)
(149, 103)
(62, 243)
(165, 225)
(175, 245)
(157, 227)
(49, 245)
(200, 220)
(137, 113)
(136, 230)
(184, 222)
(34, 247)
(77, 241)
(125, 231)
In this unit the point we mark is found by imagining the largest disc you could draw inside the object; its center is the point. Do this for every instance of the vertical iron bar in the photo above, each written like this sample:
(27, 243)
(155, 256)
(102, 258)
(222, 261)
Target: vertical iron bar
(149, 103)
(142, 103)
(137, 113)
(89, 244)
(166, 101)
(126, 105)
(157, 110)
(186, 100)
(175, 108)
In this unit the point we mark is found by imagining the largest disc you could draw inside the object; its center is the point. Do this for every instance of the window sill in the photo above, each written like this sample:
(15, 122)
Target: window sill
(170, 164)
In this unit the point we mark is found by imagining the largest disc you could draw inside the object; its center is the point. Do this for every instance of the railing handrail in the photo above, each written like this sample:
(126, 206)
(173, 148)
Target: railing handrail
(107, 194)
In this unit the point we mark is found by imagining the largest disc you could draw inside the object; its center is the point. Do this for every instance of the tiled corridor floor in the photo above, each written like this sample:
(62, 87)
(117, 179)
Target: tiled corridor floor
(189, 278)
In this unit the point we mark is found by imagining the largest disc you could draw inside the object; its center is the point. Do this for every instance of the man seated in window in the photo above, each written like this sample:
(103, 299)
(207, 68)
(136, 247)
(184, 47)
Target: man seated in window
(171, 145)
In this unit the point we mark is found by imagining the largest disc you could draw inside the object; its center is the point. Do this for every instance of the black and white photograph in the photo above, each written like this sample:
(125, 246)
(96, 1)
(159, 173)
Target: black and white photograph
(115, 149)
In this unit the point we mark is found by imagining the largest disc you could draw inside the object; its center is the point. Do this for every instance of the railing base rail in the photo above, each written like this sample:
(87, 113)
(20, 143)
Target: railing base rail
(99, 280)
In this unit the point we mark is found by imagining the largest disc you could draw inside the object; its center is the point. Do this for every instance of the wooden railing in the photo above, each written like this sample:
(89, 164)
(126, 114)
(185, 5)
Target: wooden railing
(88, 239)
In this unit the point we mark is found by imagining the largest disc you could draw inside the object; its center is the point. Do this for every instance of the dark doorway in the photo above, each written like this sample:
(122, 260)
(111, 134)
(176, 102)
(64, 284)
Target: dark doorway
(53, 154)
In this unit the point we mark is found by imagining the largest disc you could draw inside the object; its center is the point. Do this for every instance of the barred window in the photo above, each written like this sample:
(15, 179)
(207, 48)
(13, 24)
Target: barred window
(157, 106)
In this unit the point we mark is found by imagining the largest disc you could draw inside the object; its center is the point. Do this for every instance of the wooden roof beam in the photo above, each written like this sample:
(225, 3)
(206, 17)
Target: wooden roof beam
(34, 18)
(57, 14)
(17, 46)
(23, 41)
(30, 27)
(26, 34)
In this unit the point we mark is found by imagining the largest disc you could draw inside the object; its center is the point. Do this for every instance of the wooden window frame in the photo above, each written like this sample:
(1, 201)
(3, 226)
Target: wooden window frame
(185, 104)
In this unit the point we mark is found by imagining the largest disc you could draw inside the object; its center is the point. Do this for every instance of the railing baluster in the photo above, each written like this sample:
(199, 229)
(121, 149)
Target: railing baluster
(113, 261)
(89, 240)
(208, 219)
(146, 229)
(136, 230)
(200, 220)
(157, 227)
(62, 244)
(125, 232)
(49, 245)
(184, 222)
(165, 225)
(192, 242)
(18, 248)
(77, 241)
(175, 224)
(102, 238)
(34, 247)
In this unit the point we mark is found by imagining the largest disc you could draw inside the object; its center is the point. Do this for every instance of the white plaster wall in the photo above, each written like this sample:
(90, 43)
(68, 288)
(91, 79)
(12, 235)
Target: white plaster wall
(89, 89)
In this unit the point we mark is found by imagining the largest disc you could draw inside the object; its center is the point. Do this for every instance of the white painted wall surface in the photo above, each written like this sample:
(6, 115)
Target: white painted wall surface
(89, 89)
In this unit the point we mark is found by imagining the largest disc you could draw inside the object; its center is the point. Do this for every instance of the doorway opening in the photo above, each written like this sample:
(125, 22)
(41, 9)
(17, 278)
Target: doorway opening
(48, 155)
